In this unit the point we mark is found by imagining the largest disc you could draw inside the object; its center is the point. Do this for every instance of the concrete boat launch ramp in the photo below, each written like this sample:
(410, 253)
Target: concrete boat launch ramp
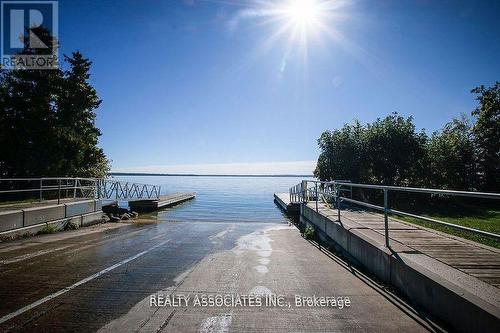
(107, 281)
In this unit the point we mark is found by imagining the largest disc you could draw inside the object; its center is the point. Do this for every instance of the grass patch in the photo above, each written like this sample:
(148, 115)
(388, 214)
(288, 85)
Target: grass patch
(47, 229)
(487, 220)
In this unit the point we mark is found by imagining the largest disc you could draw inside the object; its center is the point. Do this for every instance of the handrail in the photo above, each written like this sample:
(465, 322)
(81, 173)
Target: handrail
(486, 195)
(66, 187)
(112, 189)
(96, 188)
(334, 189)
(44, 178)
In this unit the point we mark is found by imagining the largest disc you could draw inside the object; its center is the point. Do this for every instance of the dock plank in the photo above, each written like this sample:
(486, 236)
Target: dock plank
(283, 200)
(477, 260)
(164, 201)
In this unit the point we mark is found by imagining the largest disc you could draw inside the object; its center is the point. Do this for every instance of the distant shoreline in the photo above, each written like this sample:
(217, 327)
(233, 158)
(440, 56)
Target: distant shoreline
(198, 175)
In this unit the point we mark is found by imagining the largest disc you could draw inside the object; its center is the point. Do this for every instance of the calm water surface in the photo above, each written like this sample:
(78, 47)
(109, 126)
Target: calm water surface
(222, 199)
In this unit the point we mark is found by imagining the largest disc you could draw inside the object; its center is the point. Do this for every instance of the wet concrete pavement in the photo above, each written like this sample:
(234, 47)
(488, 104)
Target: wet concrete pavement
(102, 278)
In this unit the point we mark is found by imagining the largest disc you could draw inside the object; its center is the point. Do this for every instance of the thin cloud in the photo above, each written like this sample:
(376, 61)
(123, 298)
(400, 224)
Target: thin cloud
(255, 168)
(248, 13)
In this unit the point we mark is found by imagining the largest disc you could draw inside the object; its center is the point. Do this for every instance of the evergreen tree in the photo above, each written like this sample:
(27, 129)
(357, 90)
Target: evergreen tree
(47, 122)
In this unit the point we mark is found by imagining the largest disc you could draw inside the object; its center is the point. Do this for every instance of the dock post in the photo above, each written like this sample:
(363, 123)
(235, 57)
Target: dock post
(304, 191)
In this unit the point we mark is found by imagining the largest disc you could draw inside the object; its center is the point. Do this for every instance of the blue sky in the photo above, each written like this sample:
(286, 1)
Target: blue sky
(201, 86)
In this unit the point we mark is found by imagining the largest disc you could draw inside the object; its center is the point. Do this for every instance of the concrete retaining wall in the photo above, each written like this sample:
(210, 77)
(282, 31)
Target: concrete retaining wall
(79, 221)
(429, 284)
(11, 220)
(90, 219)
(40, 216)
(79, 208)
(60, 224)
(43, 214)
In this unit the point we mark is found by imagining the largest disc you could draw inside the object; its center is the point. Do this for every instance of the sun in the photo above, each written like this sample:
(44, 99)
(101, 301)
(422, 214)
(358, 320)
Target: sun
(302, 13)
(299, 27)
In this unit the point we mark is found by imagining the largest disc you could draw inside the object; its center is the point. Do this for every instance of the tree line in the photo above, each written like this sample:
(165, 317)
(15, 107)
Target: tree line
(47, 121)
(463, 155)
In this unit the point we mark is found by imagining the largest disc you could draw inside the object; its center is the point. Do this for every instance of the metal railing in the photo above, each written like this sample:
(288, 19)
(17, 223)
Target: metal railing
(51, 188)
(47, 188)
(297, 193)
(116, 190)
(321, 191)
(300, 192)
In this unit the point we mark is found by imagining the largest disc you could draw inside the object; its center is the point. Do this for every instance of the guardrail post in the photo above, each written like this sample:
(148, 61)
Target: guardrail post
(386, 219)
(59, 191)
(304, 191)
(41, 189)
(337, 193)
(316, 190)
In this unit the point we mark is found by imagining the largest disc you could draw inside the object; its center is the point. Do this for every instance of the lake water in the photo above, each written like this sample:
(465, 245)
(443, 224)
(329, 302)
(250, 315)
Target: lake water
(222, 199)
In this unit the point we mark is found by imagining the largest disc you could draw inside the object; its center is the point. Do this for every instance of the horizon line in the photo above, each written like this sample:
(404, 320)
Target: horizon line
(204, 175)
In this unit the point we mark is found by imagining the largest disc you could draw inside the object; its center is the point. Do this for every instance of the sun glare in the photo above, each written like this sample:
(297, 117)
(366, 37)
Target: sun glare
(302, 24)
(302, 12)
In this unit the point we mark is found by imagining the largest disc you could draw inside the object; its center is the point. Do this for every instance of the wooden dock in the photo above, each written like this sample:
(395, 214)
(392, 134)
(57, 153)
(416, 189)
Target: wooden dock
(283, 200)
(471, 258)
(148, 205)
(476, 260)
(434, 270)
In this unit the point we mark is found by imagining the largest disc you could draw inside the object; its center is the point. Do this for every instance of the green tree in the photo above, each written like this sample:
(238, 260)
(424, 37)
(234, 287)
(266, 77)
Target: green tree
(342, 154)
(28, 140)
(47, 122)
(394, 150)
(388, 151)
(77, 130)
(451, 156)
(486, 131)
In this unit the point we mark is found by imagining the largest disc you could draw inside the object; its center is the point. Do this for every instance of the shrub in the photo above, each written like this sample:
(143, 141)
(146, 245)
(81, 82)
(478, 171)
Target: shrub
(47, 229)
(309, 232)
